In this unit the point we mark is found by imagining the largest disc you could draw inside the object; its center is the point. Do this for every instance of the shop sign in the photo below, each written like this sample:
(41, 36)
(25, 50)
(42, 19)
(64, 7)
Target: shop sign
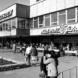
(63, 29)
(6, 14)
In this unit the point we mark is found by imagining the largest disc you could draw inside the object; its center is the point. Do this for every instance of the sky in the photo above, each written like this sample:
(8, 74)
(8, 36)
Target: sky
(5, 3)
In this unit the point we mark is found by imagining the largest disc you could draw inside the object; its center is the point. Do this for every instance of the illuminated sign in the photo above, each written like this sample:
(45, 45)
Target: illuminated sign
(63, 29)
(6, 14)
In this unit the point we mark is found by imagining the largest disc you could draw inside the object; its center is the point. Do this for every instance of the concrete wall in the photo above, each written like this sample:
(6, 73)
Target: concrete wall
(46, 6)
(23, 11)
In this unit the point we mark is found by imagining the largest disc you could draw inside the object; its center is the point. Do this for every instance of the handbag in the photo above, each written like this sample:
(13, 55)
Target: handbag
(42, 75)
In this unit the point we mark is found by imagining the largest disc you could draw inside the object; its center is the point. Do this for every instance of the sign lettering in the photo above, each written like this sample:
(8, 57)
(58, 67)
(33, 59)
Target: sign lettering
(6, 14)
(61, 30)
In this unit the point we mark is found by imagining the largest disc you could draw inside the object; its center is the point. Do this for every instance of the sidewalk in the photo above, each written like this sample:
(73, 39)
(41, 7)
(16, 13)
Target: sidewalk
(33, 72)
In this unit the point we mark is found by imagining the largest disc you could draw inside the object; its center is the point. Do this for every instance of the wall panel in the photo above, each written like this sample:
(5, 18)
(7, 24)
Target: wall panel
(40, 8)
(60, 4)
(70, 3)
(46, 7)
(76, 2)
(33, 11)
(52, 5)
(32, 2)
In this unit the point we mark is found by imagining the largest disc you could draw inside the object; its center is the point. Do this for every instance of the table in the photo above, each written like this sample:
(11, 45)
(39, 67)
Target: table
(71, 52)
(40, 49)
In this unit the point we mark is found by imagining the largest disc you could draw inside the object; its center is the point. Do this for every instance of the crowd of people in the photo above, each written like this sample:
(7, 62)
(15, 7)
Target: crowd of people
(49, 60)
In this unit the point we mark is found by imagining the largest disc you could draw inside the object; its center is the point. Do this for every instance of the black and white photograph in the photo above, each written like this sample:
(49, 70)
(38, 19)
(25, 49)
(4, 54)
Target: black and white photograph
(38, 38)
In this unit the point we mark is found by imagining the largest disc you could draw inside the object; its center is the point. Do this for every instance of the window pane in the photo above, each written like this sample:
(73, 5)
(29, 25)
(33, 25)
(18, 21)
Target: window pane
(62, 19)
(47, 16)
(61, 12)
(77, 8)
(54, 17)
(0, 27)
(40, 25)
(71, 13)
(13, 24)
(36, 24)
(31, 23)
(36, 18)
(41, 20)
(53, 23)
(47, 21)
(71, 21)
(22, 24)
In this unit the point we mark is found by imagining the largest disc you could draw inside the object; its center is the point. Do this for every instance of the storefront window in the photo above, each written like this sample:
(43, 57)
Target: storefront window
(62, 17)
(0, 26)
(4, 28)
(47, 20)
(36, 22)
(23, 23)
(13, 24)
(54, 19)
(41, 21)
(70, 15)
(9, 24)
(31, 23)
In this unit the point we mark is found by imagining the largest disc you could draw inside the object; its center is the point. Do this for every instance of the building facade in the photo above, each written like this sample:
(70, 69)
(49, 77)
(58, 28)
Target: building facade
(54, 20)
(42, 21)
(14, 22)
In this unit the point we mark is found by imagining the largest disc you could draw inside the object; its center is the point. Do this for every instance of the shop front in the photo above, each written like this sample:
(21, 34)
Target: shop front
(64, 34)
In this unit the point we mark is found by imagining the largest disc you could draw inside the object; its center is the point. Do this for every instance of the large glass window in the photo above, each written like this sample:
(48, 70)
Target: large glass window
(36, 22)
(71, 15)
(31, 23)
(22, 24)
(4, 26)
(13, 24)
(47, 20)
(54, 19)
(41, 21)
(0, 26)
(62, 17)
(9, 24)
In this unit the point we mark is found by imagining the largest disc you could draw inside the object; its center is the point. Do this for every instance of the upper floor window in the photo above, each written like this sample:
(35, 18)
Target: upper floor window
(47, 20)
(54, 19)
(36, 22)
(71, 15)
(31, 23)
(62, 17)
(41, 21)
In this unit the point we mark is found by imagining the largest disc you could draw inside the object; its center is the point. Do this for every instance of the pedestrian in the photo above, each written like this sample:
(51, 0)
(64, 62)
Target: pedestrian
(34, 54)
(14, 47)
(50, 63)
(27, 55)
(43, 71)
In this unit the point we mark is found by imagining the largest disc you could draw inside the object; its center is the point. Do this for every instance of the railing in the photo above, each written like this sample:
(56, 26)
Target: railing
(70, 73)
